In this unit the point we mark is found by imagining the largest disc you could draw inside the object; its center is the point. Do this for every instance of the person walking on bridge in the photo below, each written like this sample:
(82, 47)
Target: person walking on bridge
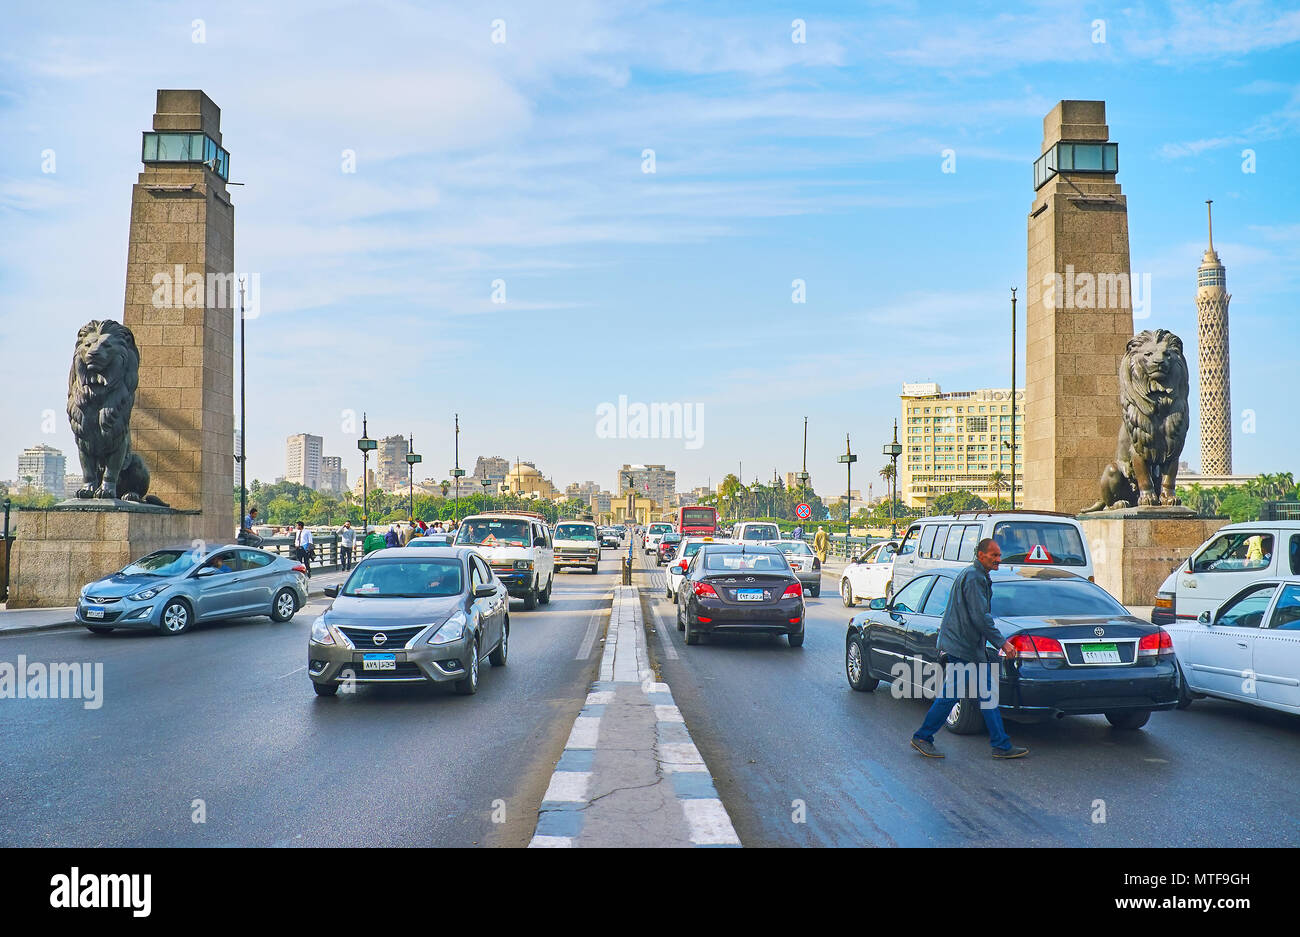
(821, 544)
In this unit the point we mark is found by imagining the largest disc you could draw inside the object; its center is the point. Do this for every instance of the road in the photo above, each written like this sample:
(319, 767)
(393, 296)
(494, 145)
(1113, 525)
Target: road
(226, 714)
(779, 727)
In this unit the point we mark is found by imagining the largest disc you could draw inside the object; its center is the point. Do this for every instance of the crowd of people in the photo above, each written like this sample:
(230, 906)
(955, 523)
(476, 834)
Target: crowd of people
(303, 547)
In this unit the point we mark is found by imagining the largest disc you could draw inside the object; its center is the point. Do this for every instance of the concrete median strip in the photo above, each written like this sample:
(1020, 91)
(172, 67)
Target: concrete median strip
(630, 776)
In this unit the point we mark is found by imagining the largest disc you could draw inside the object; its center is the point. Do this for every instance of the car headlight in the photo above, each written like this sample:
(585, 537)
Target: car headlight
(320, 632)
(452, 630)
(146, 594)
(523, 564)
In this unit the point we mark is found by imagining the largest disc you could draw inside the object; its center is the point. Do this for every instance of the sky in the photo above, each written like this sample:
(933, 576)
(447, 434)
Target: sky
(503, 151)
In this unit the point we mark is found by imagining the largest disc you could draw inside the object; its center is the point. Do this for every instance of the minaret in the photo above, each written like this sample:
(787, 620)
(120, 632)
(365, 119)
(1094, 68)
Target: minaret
(1212, 350)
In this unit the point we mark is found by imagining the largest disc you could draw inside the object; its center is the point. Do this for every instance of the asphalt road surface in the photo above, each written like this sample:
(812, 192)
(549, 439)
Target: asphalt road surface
(226, 714)
(800, 759)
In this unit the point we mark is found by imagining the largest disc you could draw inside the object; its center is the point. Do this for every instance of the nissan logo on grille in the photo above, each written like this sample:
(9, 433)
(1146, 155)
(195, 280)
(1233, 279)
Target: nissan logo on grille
(380, 638)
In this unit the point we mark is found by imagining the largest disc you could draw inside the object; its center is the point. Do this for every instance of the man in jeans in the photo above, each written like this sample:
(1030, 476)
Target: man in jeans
(966, 628)
(303, 546)
(347, 540)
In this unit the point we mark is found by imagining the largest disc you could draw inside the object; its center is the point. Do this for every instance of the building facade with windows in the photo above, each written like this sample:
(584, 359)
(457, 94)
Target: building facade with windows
(302, 460)
(957, 441)
(652, 481)
(333, 476)
(43, 468)
(392, 462)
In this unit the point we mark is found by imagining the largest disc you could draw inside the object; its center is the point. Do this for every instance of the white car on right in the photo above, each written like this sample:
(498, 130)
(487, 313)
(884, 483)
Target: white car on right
(1234, 558)
(869, 575)
(1246, 650)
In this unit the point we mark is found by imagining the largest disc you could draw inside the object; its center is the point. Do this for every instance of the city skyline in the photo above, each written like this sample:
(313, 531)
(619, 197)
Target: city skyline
(798, 160)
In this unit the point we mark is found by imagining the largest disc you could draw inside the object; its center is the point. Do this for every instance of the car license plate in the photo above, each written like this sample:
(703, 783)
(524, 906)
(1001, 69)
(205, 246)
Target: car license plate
(379, 662)
(1100, 654)
(749, 595)
(94, 612)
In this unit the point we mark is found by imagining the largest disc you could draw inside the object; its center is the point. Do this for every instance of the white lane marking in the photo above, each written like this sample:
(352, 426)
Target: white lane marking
(668, 714)
(291, 672)
(551, 842)
(585, 732)
(709, 823)
(593, 631)
(665, 639)
(568, 787)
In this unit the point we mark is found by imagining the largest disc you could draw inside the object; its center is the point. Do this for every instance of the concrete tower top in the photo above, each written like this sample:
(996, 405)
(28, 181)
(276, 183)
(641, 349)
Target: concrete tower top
(1075, 120)
(1211, 257)
(187, 110)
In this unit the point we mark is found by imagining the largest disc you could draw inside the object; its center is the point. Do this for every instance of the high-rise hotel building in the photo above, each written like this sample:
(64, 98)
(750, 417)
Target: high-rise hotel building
(956, 441)
(1212, 300)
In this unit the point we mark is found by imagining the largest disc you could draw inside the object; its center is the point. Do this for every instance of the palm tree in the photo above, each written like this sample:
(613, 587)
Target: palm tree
(997, 482)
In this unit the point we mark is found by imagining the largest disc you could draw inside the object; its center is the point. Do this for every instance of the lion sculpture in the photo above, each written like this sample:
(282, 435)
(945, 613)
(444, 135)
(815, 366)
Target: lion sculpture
(101, 393)
(1153, 427)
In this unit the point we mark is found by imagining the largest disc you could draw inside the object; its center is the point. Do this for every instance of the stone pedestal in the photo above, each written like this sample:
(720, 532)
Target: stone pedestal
(59, 550)
(1135, 549)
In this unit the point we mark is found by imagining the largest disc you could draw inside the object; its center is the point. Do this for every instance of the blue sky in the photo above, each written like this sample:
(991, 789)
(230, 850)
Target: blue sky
(522, 161)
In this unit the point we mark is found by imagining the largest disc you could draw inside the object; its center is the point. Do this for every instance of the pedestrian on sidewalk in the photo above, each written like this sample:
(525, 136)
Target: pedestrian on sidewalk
(304, 547)
(965, 630)
(247, 537)
(392, 538)
(374, 541)
(821, 544)
(347, 540)
(408, 532)
(797, 533)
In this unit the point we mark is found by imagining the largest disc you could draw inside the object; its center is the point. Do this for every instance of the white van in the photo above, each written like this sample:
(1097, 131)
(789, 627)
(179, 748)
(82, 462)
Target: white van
(755, 532)
(1234, 558)
(577, 543)
(517, 545)
(653, 534)
(1027, 538)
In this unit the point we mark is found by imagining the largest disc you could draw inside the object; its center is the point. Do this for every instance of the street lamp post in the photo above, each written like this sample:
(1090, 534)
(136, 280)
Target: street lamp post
(367, 446)
(485, 482)
(848, 459)
(893, 450)
(457, 474)
(803, 473)
(412, 459)
(243, 428)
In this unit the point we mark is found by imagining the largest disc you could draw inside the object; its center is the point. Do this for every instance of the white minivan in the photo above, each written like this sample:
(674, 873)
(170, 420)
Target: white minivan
(1027, 538)
(1234, 558)
(517, 545)
(755, 532)
(653, 534)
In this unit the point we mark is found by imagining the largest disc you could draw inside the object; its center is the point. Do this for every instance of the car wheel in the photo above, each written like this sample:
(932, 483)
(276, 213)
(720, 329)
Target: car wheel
(680, 610)
(1184, 694)
(325, 689)
(1129, 719)
(99, 629)
(530, 598)
(692, 635)
(965, 718)
(846, 593)
(855, 666)
(498, 657)
(544, 597)
(469, 685)
(176, 617)
(816, 591)
(284, 605)
(595, 570)
(796, 640)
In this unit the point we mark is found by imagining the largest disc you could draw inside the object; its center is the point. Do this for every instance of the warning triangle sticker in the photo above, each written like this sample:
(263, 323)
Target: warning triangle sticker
(1038, 554)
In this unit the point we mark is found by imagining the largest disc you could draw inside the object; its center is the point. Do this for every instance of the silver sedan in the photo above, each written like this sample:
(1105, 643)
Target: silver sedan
(171, 590)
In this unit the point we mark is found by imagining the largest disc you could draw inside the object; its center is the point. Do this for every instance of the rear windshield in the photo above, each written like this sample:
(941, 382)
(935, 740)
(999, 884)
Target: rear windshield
(575, 532)
(728, 562)
(492, 533)
(794, 546)
(659, 528)
(404, 578)
(1051, 598)
(761, 532)
(1040, 542)
(163, 563)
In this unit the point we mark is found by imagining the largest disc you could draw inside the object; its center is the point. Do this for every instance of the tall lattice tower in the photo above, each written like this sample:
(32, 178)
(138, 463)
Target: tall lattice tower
(1212, 300)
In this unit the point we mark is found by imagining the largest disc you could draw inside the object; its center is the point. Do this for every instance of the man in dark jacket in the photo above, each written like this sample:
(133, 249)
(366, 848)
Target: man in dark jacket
(966, 628)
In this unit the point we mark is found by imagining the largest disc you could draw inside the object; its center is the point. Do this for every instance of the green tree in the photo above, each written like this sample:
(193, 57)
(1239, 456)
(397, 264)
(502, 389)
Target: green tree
(1241, 506)
(950, 502)
(998, 484)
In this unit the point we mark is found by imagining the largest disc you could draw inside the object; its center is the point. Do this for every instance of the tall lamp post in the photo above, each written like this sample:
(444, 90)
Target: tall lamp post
(485, 482)
(457, 474)
(367, 446)
(848, 459)
(412, 459)
(803, 473)
(1013, 398)
(893, 450)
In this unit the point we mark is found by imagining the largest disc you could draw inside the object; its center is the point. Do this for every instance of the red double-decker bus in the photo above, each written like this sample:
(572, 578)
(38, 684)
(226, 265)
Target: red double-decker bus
(698, 520)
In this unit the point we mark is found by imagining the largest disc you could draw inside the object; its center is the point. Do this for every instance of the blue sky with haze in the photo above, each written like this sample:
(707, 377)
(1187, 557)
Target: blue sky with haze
(522, 161)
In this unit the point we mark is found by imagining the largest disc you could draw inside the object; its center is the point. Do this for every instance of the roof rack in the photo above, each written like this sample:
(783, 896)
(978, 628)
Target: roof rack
(990, 513)
(540, 517)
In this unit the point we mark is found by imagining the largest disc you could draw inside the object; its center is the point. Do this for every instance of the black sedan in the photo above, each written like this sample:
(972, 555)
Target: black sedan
(1078, 650)
(667, 548)
(732, 588)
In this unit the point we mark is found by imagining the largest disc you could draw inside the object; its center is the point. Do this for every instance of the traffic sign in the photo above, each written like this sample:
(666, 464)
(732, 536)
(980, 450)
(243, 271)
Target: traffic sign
(1038, 554)
(803, 511)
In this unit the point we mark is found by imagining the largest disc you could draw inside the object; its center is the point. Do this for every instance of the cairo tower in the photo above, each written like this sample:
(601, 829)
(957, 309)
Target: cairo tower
(1212, 348)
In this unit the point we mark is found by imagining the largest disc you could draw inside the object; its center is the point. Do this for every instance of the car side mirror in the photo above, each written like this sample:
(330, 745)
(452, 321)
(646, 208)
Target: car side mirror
(484, 590)
(332, 592)
(1204, 618)
(878, 605)
(205, 571)
(1189, 565)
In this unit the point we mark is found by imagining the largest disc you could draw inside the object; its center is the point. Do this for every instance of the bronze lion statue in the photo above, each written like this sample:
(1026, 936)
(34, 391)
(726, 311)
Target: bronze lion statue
(101, 393)
(1153, 428)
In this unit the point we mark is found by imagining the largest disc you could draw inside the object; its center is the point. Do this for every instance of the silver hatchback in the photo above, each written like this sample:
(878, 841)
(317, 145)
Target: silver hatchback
(171, 590)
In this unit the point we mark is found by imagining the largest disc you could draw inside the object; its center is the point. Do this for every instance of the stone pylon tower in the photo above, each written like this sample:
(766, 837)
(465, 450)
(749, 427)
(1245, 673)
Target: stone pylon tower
(1212, 300)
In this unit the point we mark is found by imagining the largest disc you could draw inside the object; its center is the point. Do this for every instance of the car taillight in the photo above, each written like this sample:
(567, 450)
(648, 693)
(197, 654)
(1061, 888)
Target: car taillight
(817, 564)
(1164, 601)
(1037, 647)
(703, 588)
(300, 568)
(794, 589)
(1154, 645)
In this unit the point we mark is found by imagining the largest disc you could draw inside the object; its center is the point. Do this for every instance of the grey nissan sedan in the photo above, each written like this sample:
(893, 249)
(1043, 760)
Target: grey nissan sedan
(411, 615)
(171, 590)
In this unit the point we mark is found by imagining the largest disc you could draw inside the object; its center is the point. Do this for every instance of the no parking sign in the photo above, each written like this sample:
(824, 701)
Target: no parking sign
(803, 511)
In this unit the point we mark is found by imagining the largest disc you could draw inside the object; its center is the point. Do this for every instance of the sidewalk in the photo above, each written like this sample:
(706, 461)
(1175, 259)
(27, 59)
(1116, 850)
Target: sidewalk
(630, 776)
(27, 620)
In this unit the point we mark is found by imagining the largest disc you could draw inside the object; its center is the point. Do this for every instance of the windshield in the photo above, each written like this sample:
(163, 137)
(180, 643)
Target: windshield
(1040, 542)
(794, 546)
(698, 517)
(494, 533)
(381, 578)
(575, 532)
(659, 528)
(163, 563)
(728, 562)
(1051, 598)
(761, 532)
(691, 549)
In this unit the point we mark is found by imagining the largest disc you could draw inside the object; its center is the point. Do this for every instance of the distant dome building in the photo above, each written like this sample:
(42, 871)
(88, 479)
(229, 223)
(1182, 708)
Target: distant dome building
(526, 480)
